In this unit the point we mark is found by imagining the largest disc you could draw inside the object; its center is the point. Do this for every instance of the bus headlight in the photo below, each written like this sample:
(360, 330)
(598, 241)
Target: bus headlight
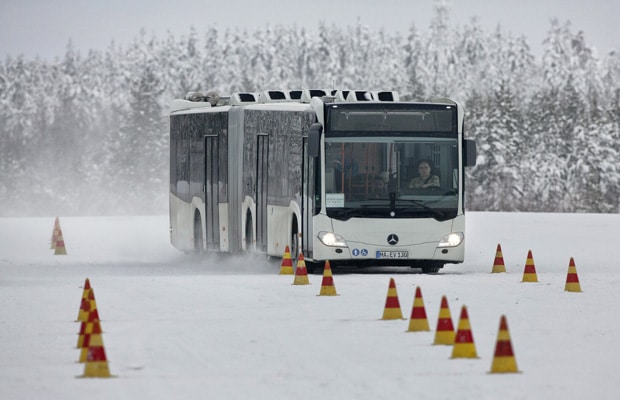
(451, 240)
(332, 239)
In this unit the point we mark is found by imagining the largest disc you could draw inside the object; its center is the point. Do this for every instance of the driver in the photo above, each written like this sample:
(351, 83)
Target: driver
(426, 178)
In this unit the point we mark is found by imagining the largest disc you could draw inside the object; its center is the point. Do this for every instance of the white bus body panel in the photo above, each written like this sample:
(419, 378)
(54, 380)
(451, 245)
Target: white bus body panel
(278, 226)
(279, 223)
(224, 228)
(183, 238)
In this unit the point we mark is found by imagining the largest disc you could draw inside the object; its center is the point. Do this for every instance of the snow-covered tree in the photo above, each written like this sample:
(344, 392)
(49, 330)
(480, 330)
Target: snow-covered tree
(80, 130)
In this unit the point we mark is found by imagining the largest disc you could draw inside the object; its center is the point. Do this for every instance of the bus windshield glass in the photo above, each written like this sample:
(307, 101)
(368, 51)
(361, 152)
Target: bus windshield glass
(389, 171)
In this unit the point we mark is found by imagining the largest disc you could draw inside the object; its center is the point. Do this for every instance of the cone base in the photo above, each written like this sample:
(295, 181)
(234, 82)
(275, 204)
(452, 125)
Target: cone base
(572, 287)
(504, 365)
(301, 281)
(445, 338)
(97, 369)
(328, 291)
(419, 326)
(286, 271)
(392, 314)
(530, 278)
(464, 351)
(498, 269)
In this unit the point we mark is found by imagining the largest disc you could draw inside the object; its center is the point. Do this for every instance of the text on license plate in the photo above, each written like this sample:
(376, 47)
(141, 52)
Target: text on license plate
(392, 254)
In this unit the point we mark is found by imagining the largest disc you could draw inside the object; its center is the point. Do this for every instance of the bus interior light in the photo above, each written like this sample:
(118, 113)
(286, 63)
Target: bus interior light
(332, 239)
(452, 240)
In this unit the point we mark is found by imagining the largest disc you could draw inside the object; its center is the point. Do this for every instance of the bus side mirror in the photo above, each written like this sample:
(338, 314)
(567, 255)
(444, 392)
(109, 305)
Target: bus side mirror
(314, 140)
(469, 154)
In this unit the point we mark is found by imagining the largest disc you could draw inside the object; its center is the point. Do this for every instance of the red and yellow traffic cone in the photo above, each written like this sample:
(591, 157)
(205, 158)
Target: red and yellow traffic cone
(327, 285)
(88, 309)
(498, 263)
(572, 279)
(286, 268)
(96, 363)
(301, 272)
(464, 346)
(529, 272)
(87, 329)
(444, 334)
(392, 305)
(84, 304)
(60, 249)
(504, 358)
(418, 321)
(55, 233)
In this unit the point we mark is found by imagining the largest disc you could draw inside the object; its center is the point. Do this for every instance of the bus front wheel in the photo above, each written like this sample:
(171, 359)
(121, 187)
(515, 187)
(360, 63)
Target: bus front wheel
(431, 268)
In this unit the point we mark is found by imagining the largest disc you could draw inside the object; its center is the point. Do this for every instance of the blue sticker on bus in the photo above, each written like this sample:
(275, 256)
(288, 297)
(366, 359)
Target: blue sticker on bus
(355, 252)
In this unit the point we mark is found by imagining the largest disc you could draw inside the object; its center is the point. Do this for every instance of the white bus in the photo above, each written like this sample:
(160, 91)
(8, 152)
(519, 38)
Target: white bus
(332, 174)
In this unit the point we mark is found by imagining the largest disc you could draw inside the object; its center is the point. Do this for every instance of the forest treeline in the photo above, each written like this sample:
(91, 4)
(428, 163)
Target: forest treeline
(87, 134)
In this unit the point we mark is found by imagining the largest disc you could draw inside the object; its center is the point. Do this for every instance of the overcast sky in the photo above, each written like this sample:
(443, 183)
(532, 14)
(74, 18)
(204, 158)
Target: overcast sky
(44, 27)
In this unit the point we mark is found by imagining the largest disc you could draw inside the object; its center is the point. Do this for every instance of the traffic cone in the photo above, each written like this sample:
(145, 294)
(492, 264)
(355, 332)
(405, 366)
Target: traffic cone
(286, 268)
(504, 359)
(301, 273)
(84, 307)
(59, 249)
(96, 363)
(327, 285)
(55, 233)
(572, 280)
(418, 321)
(464, 346)
(498, 263)
(444, 334)
(87, 329)
(392, 305)
(88, 308)
(529, 273)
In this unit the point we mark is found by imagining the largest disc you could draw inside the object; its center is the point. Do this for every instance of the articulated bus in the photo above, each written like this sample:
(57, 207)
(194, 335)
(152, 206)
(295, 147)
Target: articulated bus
(335, 175)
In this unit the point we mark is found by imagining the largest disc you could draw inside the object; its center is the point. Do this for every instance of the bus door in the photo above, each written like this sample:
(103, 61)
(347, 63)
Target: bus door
(308, 182)
(211, 188)
(262, 173)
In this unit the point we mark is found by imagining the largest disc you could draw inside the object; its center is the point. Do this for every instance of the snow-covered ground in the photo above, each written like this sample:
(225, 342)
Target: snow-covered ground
(178, 327)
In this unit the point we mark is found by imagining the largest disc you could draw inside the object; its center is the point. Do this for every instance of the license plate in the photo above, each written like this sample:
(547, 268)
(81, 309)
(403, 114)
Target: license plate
(392, 254)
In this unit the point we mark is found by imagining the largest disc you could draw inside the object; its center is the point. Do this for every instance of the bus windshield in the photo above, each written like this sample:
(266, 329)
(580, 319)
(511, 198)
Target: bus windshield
(391, 176)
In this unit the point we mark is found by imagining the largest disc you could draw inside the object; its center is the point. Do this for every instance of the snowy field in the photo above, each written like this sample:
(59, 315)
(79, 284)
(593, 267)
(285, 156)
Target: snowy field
(178, 327)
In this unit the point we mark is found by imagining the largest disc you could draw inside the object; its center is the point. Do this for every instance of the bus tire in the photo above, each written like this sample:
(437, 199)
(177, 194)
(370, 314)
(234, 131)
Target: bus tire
(249, 234)
(432, 268)
(294, 242)
(198, 241)
(311, 267)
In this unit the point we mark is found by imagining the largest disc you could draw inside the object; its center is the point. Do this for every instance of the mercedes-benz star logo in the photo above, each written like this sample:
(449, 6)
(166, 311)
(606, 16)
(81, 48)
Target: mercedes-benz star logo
(392, 239)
